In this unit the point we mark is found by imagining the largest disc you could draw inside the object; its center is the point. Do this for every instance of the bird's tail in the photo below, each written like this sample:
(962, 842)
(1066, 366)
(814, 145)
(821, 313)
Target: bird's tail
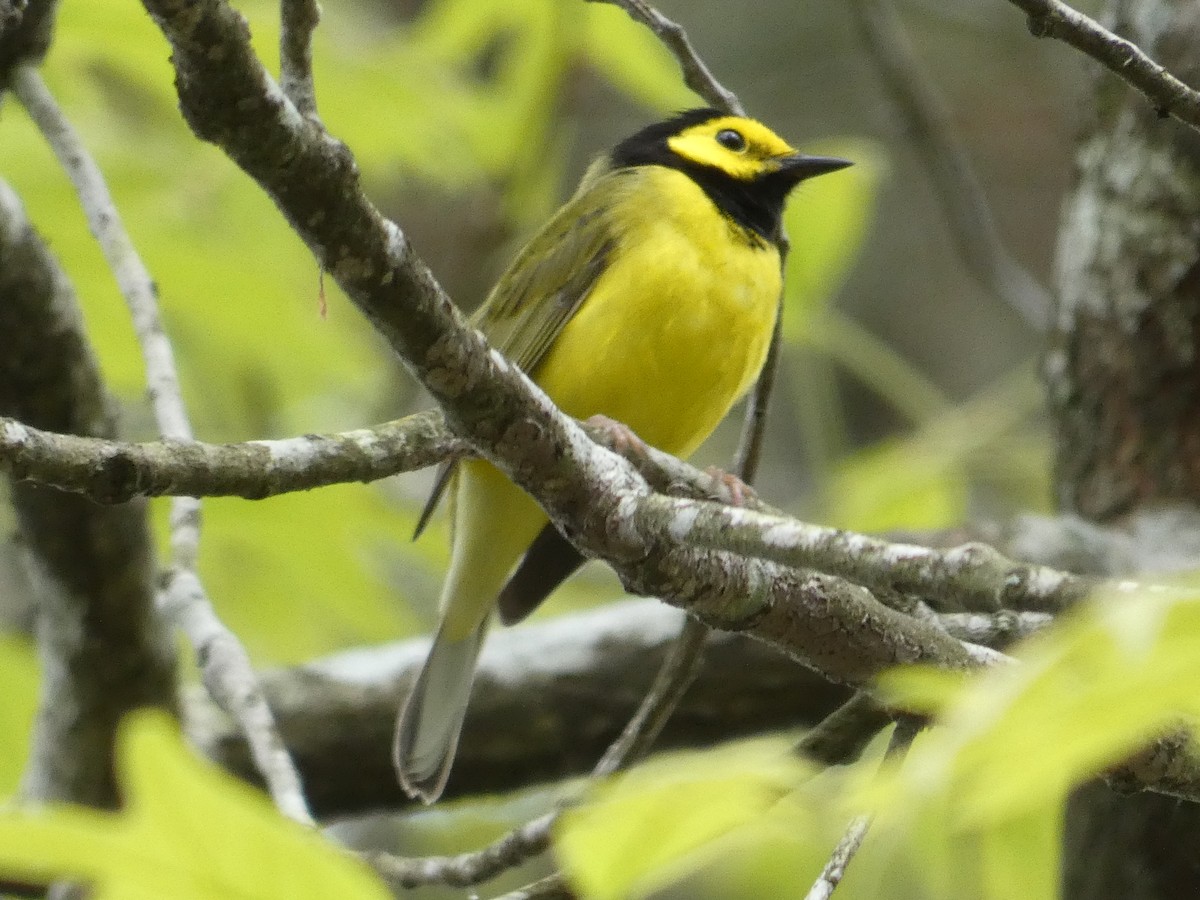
(432, 716)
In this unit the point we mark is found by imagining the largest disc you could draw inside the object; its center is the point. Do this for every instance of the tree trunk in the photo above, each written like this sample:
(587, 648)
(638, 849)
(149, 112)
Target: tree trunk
(1124, 383)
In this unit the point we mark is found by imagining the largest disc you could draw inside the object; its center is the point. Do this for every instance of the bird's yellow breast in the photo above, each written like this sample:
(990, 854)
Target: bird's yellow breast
(677, 326)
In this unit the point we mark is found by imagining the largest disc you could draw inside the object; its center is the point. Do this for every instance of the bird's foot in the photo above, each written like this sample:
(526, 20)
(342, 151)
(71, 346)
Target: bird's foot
(736, 491)
(618, 435)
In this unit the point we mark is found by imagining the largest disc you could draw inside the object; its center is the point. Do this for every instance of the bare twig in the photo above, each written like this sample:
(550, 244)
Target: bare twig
(842, 736)
(749, 451)
(1170, 96)
(115, 471)
(678, 671)
(226, 667)
(696, 74)
(110, 471)
(466, 869)
(298, 21)
(962, 197)
(835, 869)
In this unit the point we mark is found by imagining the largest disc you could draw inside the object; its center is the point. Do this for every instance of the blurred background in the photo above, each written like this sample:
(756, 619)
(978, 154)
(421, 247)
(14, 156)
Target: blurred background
(908, 397)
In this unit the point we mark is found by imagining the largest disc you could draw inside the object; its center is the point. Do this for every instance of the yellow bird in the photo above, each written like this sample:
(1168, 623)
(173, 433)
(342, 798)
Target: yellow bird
(649, 298)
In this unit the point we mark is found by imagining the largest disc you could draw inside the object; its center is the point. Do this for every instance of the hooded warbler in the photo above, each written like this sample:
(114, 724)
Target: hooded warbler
(650, 298)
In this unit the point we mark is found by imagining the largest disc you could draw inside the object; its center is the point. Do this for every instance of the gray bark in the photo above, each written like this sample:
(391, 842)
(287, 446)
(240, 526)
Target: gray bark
(1124, 384)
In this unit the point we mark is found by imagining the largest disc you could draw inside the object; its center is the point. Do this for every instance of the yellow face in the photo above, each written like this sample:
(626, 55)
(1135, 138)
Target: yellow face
(742, 148)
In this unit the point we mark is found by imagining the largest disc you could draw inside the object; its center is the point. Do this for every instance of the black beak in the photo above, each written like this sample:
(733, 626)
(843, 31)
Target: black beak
(798, 167)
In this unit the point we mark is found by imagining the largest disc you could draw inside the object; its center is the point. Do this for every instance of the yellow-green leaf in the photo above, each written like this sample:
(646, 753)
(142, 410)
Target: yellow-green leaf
(641, 830)
(187, 831)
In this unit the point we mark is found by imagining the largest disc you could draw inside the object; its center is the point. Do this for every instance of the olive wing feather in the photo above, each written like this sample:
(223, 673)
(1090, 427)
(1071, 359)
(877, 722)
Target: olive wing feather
(542, 289)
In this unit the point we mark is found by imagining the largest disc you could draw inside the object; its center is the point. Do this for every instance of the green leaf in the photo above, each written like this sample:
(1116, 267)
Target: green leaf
(1086, 694)
(646, 828)
(187, 831)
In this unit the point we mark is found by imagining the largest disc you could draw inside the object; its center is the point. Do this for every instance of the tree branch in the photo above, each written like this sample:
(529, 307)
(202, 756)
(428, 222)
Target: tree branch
(581, 672)
(510, 851)
(225, 665)
(696, 74)
(835, 869)
(114, 471)
(1170, 96)
(973, 575)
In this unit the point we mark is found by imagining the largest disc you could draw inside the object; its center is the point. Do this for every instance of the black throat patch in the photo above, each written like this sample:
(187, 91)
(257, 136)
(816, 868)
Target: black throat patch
(755, 206)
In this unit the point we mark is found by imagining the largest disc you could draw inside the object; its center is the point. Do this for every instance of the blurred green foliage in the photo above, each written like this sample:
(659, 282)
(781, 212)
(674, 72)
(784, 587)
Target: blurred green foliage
(973, 811)
(650, 827)
(185, 830)
(463, 98)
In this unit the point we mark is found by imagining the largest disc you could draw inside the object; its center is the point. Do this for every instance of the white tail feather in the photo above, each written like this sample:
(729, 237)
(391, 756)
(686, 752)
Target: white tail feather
(432, 716)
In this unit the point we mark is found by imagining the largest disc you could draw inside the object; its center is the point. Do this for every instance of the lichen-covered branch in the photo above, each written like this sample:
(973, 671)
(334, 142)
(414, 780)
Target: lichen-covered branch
(298, 19)
(115, 471)
(1170, 96)
(973, 576)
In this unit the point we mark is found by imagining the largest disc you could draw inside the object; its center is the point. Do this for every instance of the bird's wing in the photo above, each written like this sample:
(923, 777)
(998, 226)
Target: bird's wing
(548, 282)
(544, 286)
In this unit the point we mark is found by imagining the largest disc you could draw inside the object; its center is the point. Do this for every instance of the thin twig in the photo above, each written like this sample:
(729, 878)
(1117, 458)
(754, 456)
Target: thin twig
(1170, 96)
(749, 451)
(962, 197)
(298, 20)
(676, 675)
(835, 869)
(841, 737)
(696, 74)
(466, 869)
(226, 667)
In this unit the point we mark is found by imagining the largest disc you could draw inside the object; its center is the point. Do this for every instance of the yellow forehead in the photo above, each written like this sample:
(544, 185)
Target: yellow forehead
(699, 144)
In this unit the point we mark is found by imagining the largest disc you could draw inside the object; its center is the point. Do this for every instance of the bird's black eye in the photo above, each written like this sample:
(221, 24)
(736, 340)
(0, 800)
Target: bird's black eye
(731, 140)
